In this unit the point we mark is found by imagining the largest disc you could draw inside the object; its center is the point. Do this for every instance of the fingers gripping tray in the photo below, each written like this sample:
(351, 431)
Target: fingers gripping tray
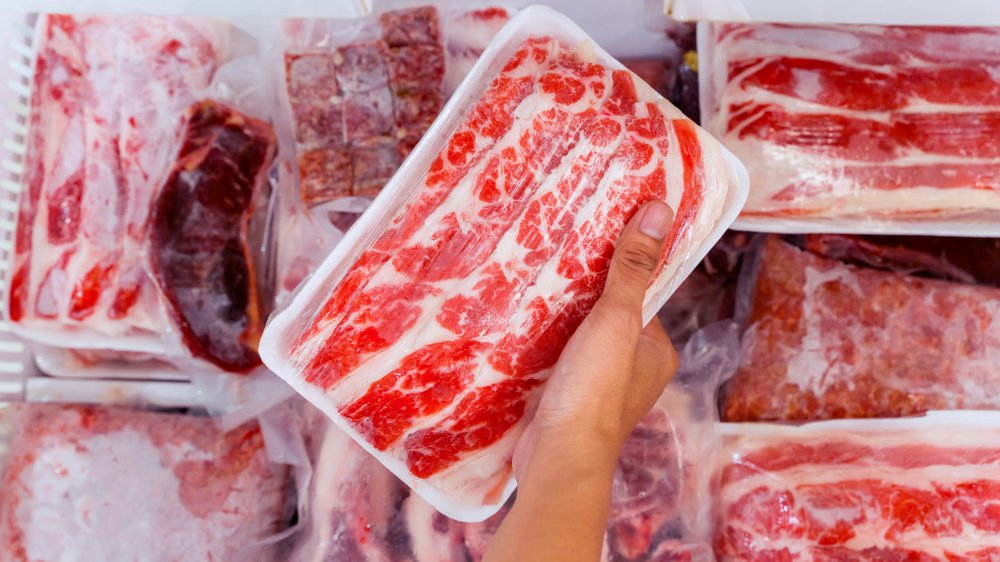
(428, 333)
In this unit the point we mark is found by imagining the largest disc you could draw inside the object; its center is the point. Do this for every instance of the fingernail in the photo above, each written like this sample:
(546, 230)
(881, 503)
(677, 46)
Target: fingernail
(656, 220)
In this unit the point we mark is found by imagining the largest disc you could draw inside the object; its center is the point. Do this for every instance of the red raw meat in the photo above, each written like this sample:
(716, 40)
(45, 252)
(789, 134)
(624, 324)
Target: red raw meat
(106, 92)
(79, 479)
(860, 121)
(503, 247)
(967, 260)
(855, 493)
(830, 340)
(373, 164)
(325, 174)
(366, 105)
(417, 26)
(198, 234)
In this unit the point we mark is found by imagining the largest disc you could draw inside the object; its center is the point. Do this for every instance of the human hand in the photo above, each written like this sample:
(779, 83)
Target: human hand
(612, 370)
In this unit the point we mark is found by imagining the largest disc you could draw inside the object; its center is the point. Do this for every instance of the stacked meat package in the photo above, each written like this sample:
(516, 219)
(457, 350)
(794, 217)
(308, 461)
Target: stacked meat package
(855, 340)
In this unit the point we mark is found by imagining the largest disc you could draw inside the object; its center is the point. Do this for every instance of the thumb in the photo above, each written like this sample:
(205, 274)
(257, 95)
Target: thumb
(637, 256)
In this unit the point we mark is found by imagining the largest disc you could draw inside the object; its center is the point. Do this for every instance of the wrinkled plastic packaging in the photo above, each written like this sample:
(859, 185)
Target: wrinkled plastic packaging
(660, 505)
(827, 339)
(487, 249)
(904, 489)
(207, 495)
(101, 233)
(858, 129)
(356, 96)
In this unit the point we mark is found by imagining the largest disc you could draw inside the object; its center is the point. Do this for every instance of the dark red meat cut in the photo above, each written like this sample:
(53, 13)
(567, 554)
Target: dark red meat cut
(417, 26)
(198, 234)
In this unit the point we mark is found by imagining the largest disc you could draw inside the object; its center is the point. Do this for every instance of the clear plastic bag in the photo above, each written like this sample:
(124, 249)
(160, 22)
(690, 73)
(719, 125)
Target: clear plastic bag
(80, 479)
(660, 507)
(487, 249)
(827, 339)
(123, 241)
(858, 129)
(356, 96)
(906, 489)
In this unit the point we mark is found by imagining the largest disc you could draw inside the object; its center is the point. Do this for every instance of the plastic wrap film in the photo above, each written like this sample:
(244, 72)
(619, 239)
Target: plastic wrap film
(908, 489)
(134, 225)
(831, 340)
(429, 332)
(190, 491)
(859, 129)
(359, 95)
(660, 505)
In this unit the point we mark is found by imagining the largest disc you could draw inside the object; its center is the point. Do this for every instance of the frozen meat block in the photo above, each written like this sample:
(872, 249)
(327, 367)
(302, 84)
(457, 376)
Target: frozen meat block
(865, 122)
(415, 26)
(430, 334)
(831, 340)
(922, 489)
(198, 232)
(90, 482)
(106, 96)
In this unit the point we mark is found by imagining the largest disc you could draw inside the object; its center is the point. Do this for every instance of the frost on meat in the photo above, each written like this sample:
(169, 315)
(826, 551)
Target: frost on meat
(114, 484)
(198, 234)
(373, 516)
(360, 109)
(830, 340)
(106, 93)
(893, 495)
(435, 343)
(856, 120)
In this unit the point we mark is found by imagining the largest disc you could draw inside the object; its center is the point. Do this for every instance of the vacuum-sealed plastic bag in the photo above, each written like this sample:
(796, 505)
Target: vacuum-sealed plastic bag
(140, 181)
(429, 331)
(907, 489)
(830, 340)
(120, 485)
(859, 128)
(660, 505)
(358, 95)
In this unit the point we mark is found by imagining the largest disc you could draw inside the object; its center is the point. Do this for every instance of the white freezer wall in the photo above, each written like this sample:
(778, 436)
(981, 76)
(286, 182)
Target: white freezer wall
(286, 8)
(881, 12)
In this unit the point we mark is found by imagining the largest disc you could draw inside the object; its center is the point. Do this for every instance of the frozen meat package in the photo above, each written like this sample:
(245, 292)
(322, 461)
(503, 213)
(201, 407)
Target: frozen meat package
(121, 485)
(357, 96)
(905, 489)
(141, 175)
(660, 503)
(428, 333)
(859, 129)
(826, 339)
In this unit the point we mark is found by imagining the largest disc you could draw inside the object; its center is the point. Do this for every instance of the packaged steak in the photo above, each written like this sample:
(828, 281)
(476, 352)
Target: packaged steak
(826, 339)
(904, 489)
(428, 333)
(146, 157)
(78, 479)
(660, 509)
(358, 95)
(858, 129)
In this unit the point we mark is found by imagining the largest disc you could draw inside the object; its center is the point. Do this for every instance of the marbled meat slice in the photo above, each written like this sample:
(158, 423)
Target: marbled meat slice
(77, 475)
(437, 340)
(893, 495)
(860, 120)
(198, 234)
(831, 340)
(106, 91)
